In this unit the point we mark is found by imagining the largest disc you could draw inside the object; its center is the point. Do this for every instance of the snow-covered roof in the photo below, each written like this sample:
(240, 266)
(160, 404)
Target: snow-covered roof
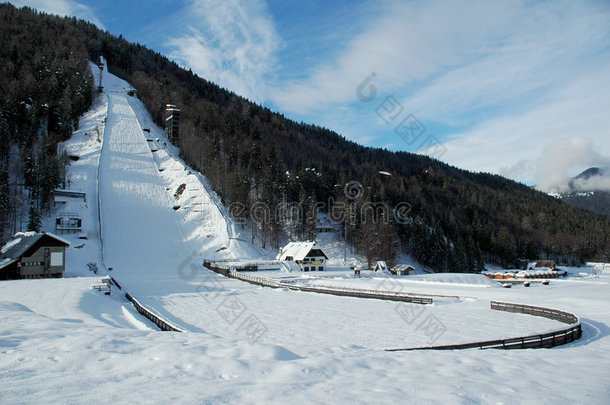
(380, 266)
(402, 267)
(17, 247)
(541, 264)
(59, 238)
(5, 262)
(297, 250)
(10, 244)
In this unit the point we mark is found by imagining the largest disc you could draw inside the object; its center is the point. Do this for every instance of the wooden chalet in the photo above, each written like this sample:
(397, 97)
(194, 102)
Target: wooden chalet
(33, 255)
(402, 269)
(307, 255)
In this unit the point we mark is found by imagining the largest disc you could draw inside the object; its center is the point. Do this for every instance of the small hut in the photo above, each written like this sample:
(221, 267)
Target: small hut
(402, 269)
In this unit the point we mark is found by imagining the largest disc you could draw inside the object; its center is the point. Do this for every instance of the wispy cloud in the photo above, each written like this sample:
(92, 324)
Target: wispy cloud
(231, 42)
(542, 49)
(512, 144)
(406, 44)
(62, 8)
(560, 159)
(595, 183)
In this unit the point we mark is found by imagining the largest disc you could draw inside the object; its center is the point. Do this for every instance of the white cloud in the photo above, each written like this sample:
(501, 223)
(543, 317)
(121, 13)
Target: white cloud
(595, 183)
(545, 47)
(559, 160)
(62, 8)
(230, 42)
(496, 145)
(407, 44)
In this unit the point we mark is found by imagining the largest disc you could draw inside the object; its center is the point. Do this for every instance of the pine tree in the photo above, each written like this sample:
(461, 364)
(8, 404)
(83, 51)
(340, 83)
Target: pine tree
(4, 199)
(35, 221)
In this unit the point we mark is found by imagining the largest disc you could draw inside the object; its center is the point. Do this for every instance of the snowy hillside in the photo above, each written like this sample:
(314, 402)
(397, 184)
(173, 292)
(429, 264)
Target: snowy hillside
(62, 341)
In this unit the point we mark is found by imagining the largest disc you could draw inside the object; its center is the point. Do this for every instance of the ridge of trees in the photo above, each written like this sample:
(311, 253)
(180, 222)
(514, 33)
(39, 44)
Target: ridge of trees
(45, 86)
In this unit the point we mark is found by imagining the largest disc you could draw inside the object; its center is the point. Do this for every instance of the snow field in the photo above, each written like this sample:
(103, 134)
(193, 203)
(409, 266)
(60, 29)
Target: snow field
(55, 347)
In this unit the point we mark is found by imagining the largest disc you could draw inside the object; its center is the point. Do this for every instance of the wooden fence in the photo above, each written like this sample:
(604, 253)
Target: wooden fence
(549, 313)
(228, 271)
(389, 292)
(544, 340)
(116, 283)
(157, 320)
(380, 295)
(265, 282)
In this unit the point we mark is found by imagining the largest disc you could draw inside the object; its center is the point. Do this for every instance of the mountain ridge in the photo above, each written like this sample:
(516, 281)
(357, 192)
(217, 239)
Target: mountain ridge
(457, 220)
(587, 192)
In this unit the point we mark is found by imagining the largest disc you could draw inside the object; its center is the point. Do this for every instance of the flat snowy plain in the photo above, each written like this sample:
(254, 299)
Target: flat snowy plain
(61, 341)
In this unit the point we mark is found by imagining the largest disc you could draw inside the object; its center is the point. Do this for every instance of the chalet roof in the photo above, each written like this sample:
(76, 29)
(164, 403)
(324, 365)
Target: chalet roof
(298, 250)
(403, 267)
(380, 266)
(22, 242)
(541, 263)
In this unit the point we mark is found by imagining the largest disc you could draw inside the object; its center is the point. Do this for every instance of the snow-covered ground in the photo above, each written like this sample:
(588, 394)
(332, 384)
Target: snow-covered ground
(61, 341)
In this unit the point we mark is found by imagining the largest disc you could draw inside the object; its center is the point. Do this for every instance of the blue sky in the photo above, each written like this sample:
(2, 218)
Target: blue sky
(519, 88)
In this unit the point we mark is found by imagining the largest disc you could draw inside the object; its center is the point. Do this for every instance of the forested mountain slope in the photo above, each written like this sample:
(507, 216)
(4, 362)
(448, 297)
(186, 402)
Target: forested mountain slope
(45, 86)
(451, 219)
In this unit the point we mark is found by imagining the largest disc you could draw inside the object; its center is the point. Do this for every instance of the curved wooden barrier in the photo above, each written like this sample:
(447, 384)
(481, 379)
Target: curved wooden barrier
(545, 340)
(156, 319)
(227, 271)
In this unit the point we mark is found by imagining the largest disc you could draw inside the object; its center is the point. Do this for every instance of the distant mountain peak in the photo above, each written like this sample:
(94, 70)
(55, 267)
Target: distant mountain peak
(588, 180)
(589, 190)
(590, 172)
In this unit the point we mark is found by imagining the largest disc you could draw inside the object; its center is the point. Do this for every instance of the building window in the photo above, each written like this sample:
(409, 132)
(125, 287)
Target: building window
(320, 268)
(57, 259)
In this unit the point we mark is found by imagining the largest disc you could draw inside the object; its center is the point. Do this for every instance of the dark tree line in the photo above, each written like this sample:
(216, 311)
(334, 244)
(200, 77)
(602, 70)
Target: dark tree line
(254, 158)
(45, 86)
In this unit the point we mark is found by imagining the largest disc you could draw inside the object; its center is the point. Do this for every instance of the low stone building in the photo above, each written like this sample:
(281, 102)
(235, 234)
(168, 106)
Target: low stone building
(33, 255)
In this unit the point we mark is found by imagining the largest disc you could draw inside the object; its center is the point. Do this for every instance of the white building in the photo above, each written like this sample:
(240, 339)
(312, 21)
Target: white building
(306, 254)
